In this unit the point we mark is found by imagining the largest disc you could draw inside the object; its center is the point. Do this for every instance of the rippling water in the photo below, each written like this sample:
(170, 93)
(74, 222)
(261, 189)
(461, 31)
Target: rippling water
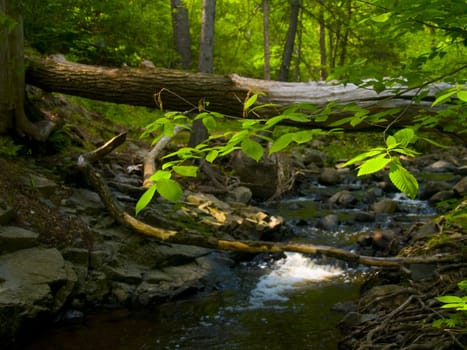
(281, 305)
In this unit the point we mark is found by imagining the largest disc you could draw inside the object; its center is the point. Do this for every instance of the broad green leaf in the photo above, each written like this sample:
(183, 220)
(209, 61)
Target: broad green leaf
(403, 179)
(449, 299)
(362, 156)
(186, 170)
(160, 174)
(391, 141)
(303, 136)
(407, 151)
(210, 123)
(462, 285)
(281, 143)
(342, 121)
(381, 18)
(444, 96)
(169, 189)
(252, 149)
(238, 137)
(274, 120)
(212, 155)
(144, 200)
(405, 136)
(462, 95)
(373, 165)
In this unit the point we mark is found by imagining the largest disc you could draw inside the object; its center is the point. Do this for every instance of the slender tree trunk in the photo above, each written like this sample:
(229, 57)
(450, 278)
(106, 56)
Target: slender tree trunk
(298, 51)
(205, 64)
(267, 53)
(289, 42)
(322, 46)
(181, 29)
(206, 49)
(345, 37)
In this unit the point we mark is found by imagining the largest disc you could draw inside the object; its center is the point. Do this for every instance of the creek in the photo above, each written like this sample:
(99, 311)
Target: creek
(270, 302)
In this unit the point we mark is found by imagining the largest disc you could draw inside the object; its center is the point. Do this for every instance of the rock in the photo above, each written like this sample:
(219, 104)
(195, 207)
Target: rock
(329, 176)
(313, 157)
(78, 256)
(27, 277)
(425, 230)
(440, 166)
(85, 200)
(329, 222)
(383, 240)
(342, 198)
(14, 238)
(240, 194)
(42, 185)
(462, 170)
(7, 213)
(420, 272)
(461, 187)
(385, 206)
(442, 196)
(431, 187)
(364, 216)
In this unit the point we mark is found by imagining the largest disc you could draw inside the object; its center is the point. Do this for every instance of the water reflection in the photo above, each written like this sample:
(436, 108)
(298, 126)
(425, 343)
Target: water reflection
(287, 307)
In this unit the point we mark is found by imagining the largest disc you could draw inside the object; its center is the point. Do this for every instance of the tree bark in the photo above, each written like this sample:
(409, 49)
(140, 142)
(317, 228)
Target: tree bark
(289, 42)
(206, 48)
(183, 91)
(12, 76)
(181, 29)
(267, 54)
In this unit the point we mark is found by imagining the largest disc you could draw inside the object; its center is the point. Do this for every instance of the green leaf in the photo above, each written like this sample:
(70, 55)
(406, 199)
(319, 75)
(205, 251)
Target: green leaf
(251, 101)
(462, 95)
(448, 93)
(405, 136)
(381, 18)
(281, 143)
(169, 189)
(144, 200)
(212, 155)
(373, 165)
(186, 170)
(160, 174)
(391, 141)
(362, 156)
(210, 123)
(449, 299)
(403, 179)
(252, 149)
(303, 136)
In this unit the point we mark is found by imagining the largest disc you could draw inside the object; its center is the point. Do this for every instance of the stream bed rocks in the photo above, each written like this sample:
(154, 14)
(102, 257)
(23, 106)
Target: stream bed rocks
(61, 253)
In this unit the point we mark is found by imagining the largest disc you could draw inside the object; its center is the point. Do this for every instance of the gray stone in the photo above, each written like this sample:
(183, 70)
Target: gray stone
(386, 206)
(27, 277)
(329, 222)
(440, 166)
(240, 194)
(461, 187)
(329, 176)
(97, 286)
(343, 198)
(364, 216)
(129, 273)
(41, 184)
(14, 238)
(442, 196)
(85, 200)
(420, 272)
(78, 256)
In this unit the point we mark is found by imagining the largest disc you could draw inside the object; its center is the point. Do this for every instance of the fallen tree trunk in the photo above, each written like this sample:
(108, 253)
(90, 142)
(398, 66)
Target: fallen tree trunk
(179, 90)
(171, 236)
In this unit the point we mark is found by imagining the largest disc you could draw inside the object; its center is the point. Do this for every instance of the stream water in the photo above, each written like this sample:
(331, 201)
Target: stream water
(268, 303)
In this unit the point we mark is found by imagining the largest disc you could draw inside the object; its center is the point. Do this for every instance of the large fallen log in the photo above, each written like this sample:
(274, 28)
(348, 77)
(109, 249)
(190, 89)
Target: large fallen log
(180, 90)
(171, 236)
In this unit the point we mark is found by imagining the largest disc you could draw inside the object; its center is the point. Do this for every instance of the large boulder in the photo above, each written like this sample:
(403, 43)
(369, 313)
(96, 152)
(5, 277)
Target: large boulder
(34, 283)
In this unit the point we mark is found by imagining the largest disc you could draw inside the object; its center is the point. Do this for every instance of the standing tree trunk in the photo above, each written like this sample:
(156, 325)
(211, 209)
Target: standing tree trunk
(289, 42)
(181, 29)
(322, 46)
(345, 37)
(267, 53)
(205, 64)
(206, 49)
(12, 81)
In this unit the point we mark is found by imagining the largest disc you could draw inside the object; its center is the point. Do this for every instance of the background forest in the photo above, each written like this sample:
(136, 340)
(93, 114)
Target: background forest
(296, 40)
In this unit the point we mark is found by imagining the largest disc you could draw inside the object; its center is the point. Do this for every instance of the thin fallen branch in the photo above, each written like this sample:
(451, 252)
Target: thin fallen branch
(187, 238)
(149, 159)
